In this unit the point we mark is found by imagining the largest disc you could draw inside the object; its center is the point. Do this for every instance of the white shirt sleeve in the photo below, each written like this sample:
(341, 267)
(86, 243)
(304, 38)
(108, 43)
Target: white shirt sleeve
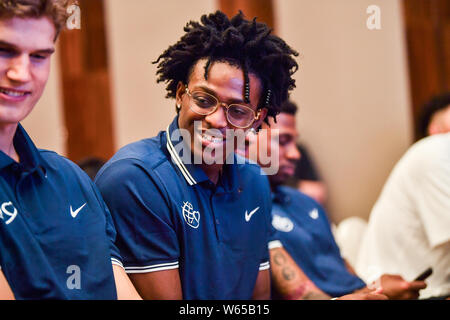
(433, 196)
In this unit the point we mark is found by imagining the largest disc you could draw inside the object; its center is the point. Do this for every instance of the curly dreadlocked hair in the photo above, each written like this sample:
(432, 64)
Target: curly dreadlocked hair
(248, 44)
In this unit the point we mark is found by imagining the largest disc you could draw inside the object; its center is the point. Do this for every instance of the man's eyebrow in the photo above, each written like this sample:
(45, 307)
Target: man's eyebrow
(14, 47)
(45, 51)
(211, 92)
(6, 44)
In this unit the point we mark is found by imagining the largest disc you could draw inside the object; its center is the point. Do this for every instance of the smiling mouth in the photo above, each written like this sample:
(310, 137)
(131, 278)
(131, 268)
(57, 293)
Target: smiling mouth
(14, 93)
(212, 139)
(287, 169)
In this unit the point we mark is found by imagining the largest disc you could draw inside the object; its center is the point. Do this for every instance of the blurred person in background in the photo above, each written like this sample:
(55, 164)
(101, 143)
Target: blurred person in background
(306, 177)
(306, 261)
(91, 165)
(409, 226)
(434, 117)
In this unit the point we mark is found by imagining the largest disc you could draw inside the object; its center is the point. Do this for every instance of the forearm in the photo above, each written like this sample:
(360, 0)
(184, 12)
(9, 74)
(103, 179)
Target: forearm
(124, 286)
(363, 290)
(290, 281)
(5, 290)
(349, 267)
(159, 285)
(262, 287)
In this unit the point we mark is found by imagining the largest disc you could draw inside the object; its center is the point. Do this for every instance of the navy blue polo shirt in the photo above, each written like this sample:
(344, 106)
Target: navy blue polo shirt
(169, 215)
(303, 228)
(56, 233)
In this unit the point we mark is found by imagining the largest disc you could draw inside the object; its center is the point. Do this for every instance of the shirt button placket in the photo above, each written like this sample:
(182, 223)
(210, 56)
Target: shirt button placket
(21, 204)
(216, 217)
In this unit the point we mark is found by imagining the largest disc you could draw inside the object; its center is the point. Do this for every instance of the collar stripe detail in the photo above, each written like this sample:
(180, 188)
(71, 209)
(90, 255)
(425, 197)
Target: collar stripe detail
(177, 160)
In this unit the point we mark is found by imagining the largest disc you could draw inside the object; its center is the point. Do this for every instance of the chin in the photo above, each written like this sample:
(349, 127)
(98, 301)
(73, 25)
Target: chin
(13, 115)
(283, 178)
(276, 180)
(10, 119)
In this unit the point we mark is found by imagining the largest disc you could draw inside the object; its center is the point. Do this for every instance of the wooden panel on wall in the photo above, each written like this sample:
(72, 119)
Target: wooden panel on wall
(263, 9)
(86, 85)
(428, 33)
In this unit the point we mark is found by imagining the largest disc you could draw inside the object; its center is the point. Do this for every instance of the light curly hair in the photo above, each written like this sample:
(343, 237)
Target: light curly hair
(55, 10)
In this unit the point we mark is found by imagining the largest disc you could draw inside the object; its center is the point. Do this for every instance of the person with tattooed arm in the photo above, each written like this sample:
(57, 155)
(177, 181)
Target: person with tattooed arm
(305, 261)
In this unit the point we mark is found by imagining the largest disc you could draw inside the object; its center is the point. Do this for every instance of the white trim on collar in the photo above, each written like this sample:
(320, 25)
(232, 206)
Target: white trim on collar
(176, 158)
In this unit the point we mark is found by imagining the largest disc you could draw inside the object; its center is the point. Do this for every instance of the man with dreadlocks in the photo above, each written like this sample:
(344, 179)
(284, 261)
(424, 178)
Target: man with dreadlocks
(192, 229)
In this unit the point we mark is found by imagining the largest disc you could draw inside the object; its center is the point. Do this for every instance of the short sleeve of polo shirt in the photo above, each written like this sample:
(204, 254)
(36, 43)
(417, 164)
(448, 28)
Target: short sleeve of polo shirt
(145, 235)
(433, 190)
(272, 241)
(110, 231)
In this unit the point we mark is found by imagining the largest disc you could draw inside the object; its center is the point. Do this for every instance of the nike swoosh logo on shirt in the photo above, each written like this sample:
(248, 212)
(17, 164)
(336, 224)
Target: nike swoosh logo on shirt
(249, 215)
(75, 213)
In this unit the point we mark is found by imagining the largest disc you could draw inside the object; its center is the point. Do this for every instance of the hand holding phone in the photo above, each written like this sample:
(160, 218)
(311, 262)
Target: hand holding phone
(424, 274)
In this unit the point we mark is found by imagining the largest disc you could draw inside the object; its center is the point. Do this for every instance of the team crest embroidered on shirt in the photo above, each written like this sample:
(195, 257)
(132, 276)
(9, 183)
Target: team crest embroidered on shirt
(191, 217)
(282, 223)
(4, 210)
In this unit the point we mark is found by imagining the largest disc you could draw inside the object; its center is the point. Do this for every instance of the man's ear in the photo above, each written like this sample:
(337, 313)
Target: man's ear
(180, 91)
(262, 116)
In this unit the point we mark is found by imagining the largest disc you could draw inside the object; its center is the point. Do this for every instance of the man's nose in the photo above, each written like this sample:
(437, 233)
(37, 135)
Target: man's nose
(293, 153)
(19, 69)
(217, 119)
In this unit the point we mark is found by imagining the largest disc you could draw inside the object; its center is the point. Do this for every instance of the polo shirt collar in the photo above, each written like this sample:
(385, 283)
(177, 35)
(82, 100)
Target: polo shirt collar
(5, 160)
(30, 158)
(193, 173)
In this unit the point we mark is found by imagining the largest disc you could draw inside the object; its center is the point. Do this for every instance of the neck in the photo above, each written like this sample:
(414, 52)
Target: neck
(273, 185)
(7, 133)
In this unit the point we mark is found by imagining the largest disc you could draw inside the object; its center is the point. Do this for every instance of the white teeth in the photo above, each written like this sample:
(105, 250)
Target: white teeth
(212, 139)
(13, 93)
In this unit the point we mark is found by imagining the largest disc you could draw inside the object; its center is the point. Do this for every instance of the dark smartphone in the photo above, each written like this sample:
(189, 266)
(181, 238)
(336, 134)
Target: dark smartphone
(424, 274)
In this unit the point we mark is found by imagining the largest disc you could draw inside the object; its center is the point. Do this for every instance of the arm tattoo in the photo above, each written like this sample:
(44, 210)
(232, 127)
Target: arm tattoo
(290, 283)
(279, 258)
(288, 273)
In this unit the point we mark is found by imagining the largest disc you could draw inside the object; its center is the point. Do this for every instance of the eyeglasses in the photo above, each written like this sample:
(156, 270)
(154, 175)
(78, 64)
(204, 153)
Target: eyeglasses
(238, 115)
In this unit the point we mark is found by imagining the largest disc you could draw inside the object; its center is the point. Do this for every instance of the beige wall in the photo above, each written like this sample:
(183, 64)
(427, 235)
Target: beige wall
(45, 124)
(352, 89)
(138, 32)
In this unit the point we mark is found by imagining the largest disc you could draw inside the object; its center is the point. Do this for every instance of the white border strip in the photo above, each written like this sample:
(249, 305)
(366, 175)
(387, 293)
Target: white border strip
(178, 161)
(117, 262)
(275, 244)
(264, 266)
(153, 268)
